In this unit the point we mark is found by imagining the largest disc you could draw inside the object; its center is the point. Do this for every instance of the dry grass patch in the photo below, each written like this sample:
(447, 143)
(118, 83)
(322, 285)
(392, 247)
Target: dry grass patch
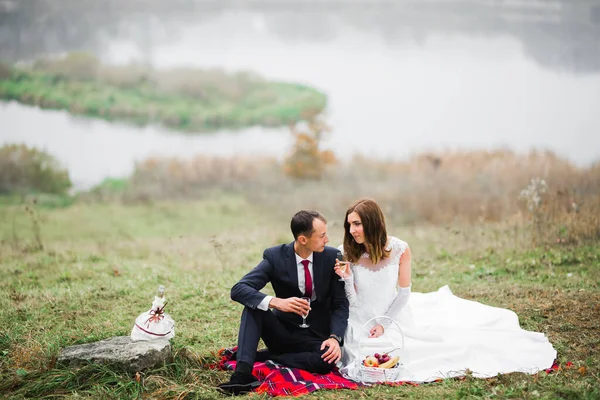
(451, 188)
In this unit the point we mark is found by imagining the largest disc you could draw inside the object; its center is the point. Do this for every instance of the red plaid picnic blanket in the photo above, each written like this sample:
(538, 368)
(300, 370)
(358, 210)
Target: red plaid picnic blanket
(278, 380)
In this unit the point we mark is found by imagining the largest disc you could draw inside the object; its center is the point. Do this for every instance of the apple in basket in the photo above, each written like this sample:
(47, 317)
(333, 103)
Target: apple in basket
(371, 361)
(381, 361)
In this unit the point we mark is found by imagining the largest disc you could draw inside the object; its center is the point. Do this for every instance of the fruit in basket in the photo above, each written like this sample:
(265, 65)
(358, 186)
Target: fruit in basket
(371, 361)
(381, 361)
(391, 363)
(381, 358)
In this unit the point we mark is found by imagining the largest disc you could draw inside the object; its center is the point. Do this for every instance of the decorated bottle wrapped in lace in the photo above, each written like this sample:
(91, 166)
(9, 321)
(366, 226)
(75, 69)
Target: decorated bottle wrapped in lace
(154, 323)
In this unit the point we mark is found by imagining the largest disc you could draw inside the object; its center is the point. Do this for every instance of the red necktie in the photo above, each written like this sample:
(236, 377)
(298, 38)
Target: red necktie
(307, 280)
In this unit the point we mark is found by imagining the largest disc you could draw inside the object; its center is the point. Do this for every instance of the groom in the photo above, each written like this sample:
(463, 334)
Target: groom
(301, 268)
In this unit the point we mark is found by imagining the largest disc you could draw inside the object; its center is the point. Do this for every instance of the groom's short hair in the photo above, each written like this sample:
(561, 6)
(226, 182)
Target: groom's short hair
(302, 222)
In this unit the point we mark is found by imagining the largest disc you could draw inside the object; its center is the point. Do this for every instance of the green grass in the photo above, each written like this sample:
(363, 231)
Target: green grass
(252, 102)
(101, 264)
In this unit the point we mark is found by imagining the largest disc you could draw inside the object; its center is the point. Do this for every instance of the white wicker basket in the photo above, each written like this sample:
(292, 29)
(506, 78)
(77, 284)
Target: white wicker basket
(376, 374)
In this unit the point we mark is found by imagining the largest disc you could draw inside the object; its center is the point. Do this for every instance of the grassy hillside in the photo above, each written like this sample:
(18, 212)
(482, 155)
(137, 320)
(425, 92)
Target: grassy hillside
(101, 264)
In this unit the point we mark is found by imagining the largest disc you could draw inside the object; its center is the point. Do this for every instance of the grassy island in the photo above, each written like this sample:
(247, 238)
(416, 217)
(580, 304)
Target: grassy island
(183, 98)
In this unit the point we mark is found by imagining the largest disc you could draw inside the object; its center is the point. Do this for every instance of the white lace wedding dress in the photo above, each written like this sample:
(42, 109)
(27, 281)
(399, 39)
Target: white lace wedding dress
(444, 335)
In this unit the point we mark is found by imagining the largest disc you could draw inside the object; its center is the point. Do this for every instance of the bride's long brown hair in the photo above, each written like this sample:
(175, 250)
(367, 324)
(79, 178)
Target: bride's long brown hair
(374, 231)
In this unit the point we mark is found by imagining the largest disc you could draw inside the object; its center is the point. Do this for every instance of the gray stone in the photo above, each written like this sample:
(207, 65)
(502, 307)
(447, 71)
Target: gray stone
(119, 351)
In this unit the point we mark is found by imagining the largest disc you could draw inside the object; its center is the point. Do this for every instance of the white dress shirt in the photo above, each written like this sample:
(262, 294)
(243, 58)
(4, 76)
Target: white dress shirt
(264, 304)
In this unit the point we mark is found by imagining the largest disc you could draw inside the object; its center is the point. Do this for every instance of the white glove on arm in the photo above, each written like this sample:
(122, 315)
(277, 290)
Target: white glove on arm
(397, 305)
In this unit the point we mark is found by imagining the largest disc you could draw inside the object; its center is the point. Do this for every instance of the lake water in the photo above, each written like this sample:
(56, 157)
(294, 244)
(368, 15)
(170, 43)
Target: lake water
(435, 79)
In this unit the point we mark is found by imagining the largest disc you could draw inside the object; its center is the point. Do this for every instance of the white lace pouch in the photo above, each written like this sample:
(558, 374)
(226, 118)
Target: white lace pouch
(154, 323)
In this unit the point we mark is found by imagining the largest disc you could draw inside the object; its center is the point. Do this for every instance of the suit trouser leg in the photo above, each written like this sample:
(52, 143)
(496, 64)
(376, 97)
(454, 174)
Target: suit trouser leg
(297, 348)
(310, 361)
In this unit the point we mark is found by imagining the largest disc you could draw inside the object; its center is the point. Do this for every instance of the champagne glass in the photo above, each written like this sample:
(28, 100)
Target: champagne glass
(304, 324)
(343, 264)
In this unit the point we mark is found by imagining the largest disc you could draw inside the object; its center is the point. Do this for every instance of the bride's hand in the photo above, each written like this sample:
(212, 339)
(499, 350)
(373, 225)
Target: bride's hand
(376, 331)
(342, 268)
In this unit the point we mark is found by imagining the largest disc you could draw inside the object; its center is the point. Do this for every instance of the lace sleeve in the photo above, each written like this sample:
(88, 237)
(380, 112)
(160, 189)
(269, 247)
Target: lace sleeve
(349, 284)
(350, 290)
(398, 247)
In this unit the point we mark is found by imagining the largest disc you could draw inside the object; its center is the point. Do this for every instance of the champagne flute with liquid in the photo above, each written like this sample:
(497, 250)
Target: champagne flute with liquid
(304, 324)
(343, 264)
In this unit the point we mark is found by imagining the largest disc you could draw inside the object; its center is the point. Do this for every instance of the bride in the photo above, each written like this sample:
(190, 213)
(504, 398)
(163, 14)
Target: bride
(439, 335)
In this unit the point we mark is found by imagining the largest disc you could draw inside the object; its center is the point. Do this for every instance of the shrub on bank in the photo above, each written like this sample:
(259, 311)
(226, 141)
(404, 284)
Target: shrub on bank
(307, 159)
(25, 170)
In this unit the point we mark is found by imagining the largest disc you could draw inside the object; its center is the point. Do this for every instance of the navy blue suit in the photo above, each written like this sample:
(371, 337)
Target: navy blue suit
(289, 344)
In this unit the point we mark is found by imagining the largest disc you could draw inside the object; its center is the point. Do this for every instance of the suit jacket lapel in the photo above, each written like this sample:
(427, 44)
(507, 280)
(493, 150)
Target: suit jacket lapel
(318, 274)
(291, 267)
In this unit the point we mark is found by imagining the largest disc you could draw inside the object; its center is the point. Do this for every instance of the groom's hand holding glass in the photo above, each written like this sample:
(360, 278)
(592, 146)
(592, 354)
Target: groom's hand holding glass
(294, 305)
(302, 307)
